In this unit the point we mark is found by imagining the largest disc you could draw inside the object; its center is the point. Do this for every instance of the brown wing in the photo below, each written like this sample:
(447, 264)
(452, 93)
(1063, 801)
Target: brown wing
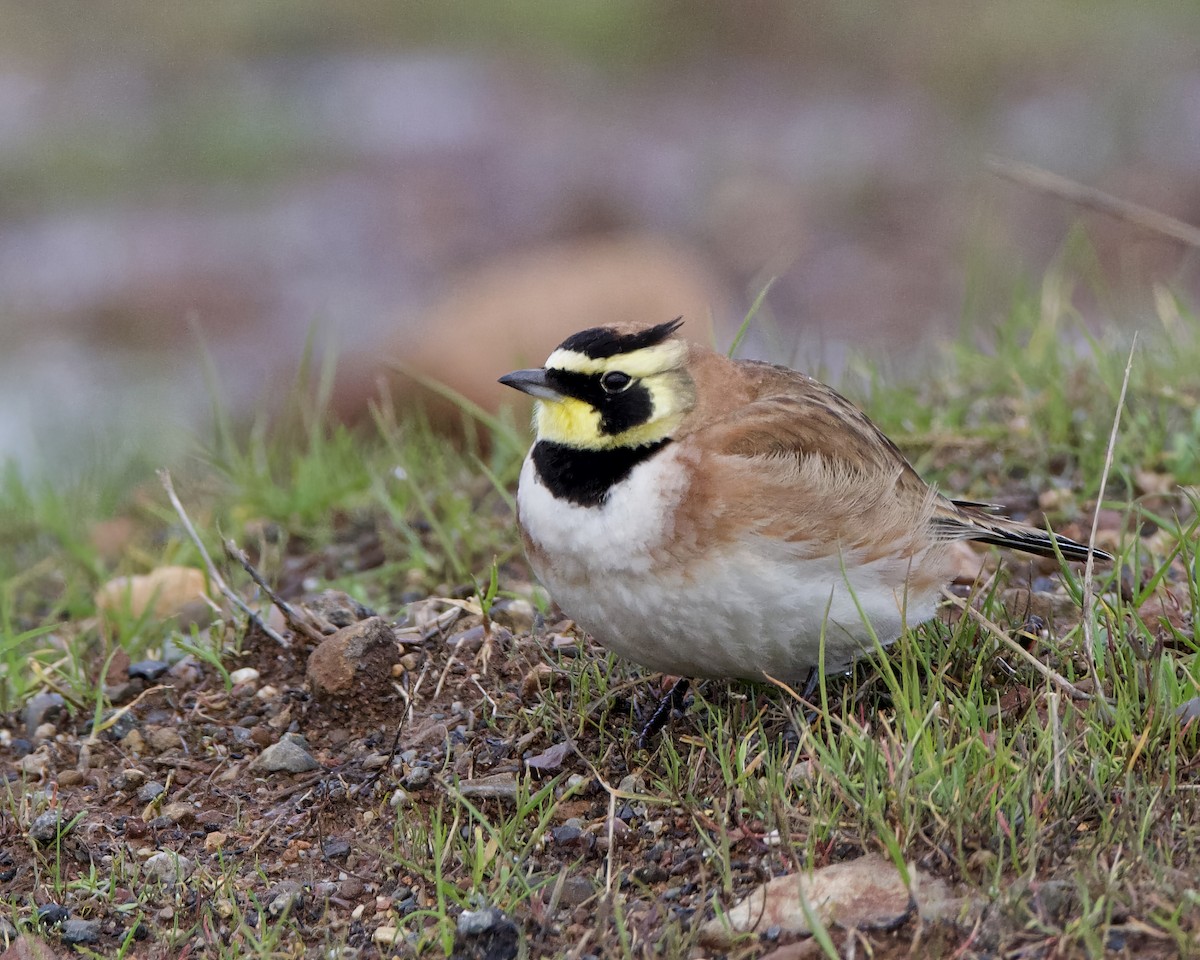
(794, 415)
(803, 464)
(807, 465)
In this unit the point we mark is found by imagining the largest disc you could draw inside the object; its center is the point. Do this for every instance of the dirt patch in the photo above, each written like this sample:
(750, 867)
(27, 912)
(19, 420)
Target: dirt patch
(493, 758)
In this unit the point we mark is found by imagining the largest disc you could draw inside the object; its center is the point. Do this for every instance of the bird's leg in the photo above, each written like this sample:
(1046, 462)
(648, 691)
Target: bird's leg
(811, 683)
(671, 700)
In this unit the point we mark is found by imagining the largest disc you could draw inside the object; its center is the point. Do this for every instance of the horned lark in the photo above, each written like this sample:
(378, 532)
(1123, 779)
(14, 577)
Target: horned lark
(708, 517)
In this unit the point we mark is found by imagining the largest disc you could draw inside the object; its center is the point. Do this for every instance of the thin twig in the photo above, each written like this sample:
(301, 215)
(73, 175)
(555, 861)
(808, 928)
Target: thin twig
(1146, 218)
(1052, 675)
(1089, 586)
(117, 714)
(164, 477)
(295, 619)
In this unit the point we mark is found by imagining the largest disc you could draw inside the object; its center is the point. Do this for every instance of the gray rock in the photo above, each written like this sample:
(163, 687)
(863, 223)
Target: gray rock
(128, 779)
(79, 931)
(148, 670)
(472, 923)
(52, 914)
(335, 847)
(417, 777)
(486, 933)
(150, 791)
(168, 867)
(575, 890)
(42, 708)
(340, 609)
(1188, 710)
(48, 827)
(122, 725)
(289, 755)
(285, 897)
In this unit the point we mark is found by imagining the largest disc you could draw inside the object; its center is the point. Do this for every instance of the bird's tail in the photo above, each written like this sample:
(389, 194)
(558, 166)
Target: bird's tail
(967, 520)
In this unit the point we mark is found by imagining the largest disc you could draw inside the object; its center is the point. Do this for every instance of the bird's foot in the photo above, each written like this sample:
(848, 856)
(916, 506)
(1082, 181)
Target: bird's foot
(672, 700)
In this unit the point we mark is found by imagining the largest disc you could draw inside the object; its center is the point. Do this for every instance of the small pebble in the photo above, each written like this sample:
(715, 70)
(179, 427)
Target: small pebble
(244, 675)
(47, 827)
(79, 931)
(386, 935)
(149, 792)
(179, 812)
(632, 784)
(133, 742)
(351, 888)
(468, 642)
(486, 932)
(128, 779)
(168, 867)
(575, 890)
(417, 777)
(148, 670)
(162, 739)
(34, 765)
(43, 708)
(285, 896)
(471, 923)
(289, 755)
(335, 847)
(516, 614)
(44, 732)
(51, 914)
(565, 833)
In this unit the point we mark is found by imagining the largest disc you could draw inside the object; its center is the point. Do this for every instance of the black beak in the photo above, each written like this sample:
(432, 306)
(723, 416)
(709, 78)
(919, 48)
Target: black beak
(532, 382)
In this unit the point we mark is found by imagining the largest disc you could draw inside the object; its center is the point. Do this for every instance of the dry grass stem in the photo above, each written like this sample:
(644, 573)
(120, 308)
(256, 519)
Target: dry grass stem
(295, 618)
(164, 477)
(1146, 218)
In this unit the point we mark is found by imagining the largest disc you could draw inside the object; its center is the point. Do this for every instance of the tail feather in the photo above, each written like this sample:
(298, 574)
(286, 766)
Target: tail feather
(968, 521)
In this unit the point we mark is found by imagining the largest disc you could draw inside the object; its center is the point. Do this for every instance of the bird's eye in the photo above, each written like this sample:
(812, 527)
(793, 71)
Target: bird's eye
(615, 381)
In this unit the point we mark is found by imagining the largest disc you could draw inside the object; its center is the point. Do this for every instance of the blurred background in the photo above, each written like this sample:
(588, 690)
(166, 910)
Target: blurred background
(459, 184)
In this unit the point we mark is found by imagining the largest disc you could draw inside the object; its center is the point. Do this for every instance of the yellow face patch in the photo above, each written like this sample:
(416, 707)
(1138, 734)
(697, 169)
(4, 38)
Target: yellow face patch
(658, 370)
(568, 421)
(574, 423)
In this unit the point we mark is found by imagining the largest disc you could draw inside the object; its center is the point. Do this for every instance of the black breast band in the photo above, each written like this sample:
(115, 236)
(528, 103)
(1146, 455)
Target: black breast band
(585, 477)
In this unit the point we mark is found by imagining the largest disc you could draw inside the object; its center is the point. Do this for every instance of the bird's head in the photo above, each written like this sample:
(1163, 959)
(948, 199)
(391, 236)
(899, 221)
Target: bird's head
(611, 387)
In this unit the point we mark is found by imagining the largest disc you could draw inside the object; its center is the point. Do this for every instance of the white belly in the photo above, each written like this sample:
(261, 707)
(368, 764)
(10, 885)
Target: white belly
(752, 609)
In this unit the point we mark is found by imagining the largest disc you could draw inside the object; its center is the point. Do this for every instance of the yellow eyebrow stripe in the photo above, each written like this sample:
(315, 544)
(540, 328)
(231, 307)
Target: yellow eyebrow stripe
(637, 363)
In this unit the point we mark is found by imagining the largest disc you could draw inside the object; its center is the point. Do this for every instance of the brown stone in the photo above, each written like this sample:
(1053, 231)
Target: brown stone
(355, 662)
(512, 311)
(164, 593)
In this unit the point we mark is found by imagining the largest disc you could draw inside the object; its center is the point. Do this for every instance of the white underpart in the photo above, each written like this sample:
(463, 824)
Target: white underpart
(754, 609)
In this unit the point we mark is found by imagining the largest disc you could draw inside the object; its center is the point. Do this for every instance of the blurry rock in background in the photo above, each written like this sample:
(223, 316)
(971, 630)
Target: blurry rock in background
(245, 175)
(513, 310)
